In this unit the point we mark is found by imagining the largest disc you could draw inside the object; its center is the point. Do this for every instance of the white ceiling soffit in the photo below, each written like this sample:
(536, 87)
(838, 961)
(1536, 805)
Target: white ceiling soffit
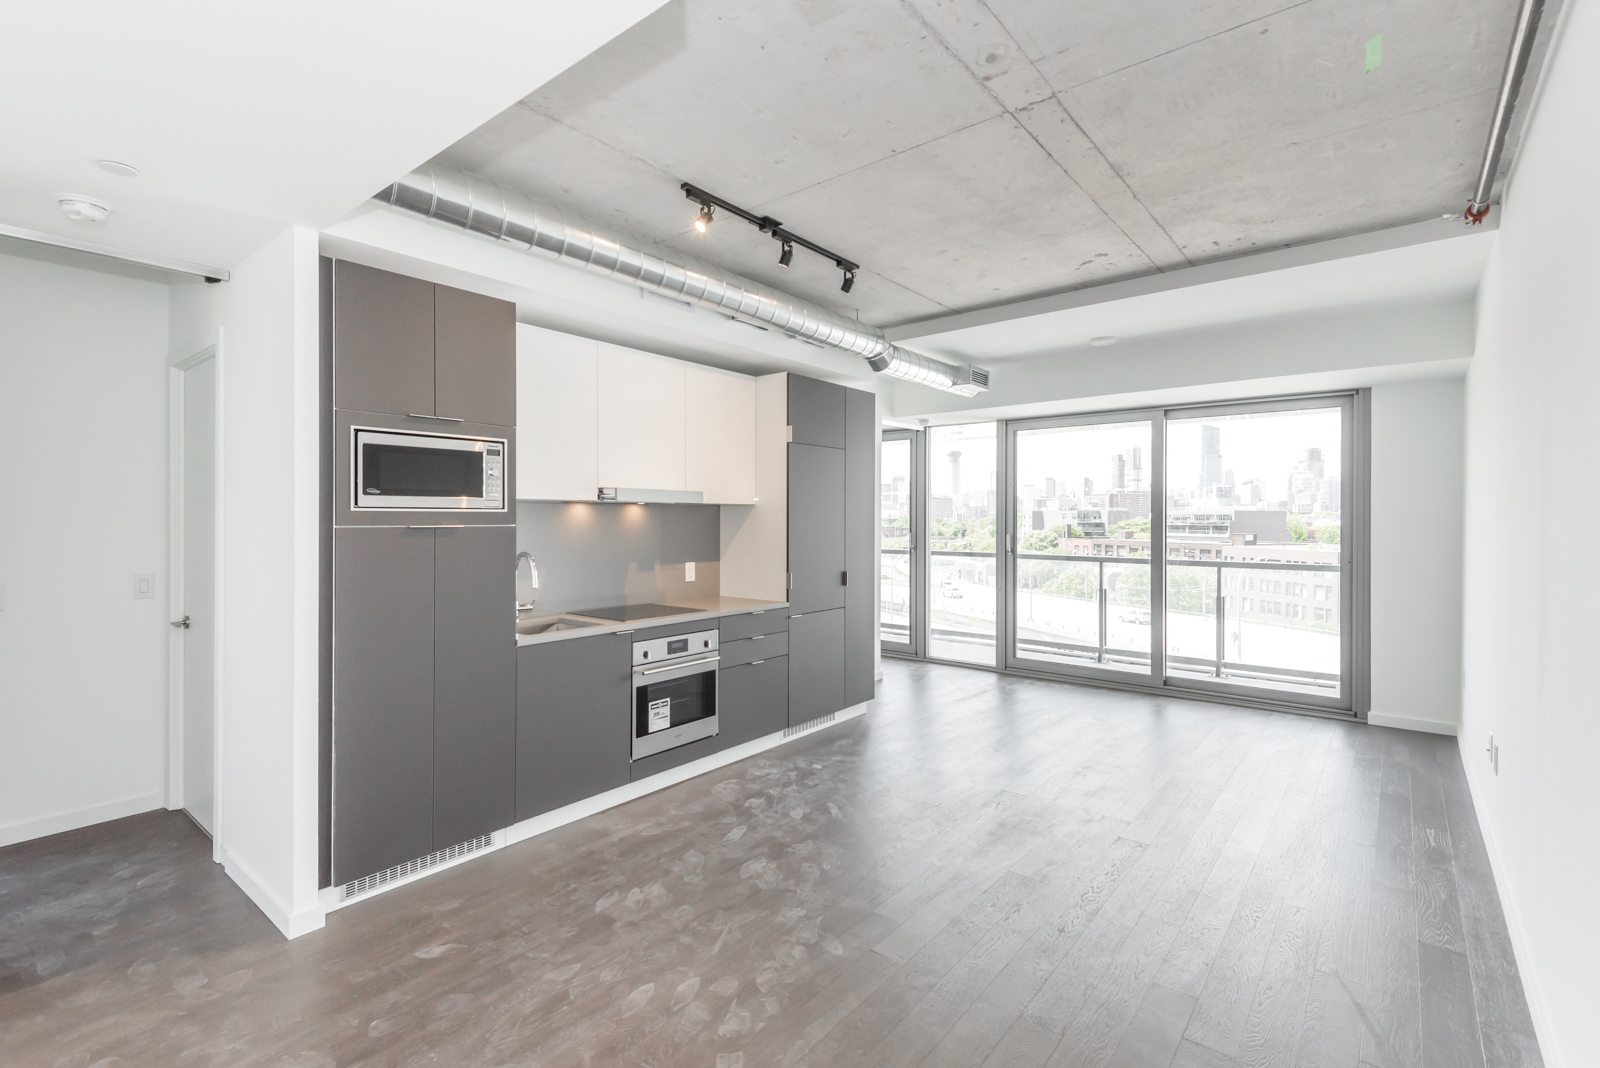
(242, 118)
(1420, 262)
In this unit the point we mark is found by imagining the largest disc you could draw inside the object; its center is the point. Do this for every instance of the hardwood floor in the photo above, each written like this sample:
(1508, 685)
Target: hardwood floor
(983, 870)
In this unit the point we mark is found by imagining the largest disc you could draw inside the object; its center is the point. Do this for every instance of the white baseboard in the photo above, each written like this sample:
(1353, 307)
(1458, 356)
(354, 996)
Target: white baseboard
(43, 826)
(291, 924)
(589, 806)
(1543, 1024)
(1412, 723)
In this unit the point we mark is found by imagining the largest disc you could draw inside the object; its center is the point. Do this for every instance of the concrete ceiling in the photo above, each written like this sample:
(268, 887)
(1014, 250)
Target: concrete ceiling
(972, 153)
(243, 118)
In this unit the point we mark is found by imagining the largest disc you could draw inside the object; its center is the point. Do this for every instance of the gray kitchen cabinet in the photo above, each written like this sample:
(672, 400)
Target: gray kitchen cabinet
(816, 528)
(474, 683)
(749, 624)
(655, 764)
(860, 544)
(816, 412)
(753, 700)
(382, 341)
(816, 665)
(383, 696)
(475, 357)
(574, 709)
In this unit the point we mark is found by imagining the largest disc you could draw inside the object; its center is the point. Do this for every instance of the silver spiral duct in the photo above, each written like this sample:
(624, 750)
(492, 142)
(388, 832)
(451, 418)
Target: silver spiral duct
(482, 207)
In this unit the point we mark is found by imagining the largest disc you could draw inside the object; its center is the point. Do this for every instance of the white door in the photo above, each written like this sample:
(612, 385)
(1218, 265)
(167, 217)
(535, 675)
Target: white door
(199, 584)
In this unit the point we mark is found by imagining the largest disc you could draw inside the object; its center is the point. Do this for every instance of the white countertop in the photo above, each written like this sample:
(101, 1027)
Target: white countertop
(699, 608)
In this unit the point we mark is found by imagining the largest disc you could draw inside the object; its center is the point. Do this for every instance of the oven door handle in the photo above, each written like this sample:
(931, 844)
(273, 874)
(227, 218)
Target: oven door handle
(684, 664)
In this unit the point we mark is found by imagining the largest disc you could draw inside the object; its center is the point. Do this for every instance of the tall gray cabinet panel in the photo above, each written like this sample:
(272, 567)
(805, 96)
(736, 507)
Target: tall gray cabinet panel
(382, 340)
(816, 528)
(860, 544)
(383, 692)
(574, 702)
(475, 357)
(816, 412)
(816, 665)
(474, 684)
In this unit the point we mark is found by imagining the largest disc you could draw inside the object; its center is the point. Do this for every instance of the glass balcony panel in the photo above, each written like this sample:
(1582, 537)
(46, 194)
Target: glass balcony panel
(894, 596)
(962, 608)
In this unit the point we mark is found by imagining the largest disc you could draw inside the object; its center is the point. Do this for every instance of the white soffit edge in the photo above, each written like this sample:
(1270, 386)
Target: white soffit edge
(243, 118)
(1422, 261)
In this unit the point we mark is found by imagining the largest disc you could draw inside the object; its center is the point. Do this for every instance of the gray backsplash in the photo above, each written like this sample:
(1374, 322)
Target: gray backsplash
(594, 555)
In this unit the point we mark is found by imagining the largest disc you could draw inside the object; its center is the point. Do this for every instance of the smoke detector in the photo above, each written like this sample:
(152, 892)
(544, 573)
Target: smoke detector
(80, 208)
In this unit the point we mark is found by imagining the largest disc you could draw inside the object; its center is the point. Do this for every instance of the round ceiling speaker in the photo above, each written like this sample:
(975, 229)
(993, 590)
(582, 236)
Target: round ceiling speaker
(80, 208)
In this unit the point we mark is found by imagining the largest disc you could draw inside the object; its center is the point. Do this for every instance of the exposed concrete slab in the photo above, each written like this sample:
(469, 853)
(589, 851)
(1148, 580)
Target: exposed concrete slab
(1180, 134)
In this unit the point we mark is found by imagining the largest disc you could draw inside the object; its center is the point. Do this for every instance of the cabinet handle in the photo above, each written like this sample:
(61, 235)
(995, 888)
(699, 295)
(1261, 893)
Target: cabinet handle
(674, 667)
(435, 526)
(440, 418)
(753, 663)
(844, 578)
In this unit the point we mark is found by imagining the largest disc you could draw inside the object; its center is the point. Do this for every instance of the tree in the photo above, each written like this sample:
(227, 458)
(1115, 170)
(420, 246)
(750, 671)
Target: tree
(1328, 535)
(1137, 527)
(1041, 541)
(1297, 528)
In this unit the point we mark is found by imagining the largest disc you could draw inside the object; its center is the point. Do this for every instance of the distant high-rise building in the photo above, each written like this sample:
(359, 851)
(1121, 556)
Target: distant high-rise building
(1088, 487)
(1049, 487)
(1135, 467)
(1328, 495)
(1119, 472)
(1313, 462)
(1249, 493)
(1210, 456)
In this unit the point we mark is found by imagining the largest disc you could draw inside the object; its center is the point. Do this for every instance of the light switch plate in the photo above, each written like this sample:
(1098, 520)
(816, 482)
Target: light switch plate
(144, 586)
(688, 571)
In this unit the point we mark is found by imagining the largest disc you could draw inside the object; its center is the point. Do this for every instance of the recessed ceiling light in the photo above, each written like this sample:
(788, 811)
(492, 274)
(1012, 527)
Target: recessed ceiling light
(1103, 340)
(121, 170)
(80, 208)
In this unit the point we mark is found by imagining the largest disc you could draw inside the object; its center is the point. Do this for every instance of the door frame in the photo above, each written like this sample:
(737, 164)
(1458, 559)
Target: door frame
(177, 366)
(1158, 549)
(916, 595)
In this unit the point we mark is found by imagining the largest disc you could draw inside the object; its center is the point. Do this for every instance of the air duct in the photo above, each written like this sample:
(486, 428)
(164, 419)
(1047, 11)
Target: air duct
(1522, 37)
(482, 207)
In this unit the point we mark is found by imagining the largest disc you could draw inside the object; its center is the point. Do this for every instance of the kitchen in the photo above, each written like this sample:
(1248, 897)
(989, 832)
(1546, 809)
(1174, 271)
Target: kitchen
(559, 573)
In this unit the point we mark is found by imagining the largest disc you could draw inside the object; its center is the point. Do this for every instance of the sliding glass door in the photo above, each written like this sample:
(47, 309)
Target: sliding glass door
(899, 563)
(1081, 542)
(1257, 582)
(963, 602)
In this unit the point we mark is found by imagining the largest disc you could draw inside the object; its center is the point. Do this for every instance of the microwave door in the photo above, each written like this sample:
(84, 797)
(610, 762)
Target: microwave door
(415, 471)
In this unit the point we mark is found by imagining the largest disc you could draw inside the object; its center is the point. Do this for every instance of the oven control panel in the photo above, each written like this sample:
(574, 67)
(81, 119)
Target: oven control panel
(679, 646)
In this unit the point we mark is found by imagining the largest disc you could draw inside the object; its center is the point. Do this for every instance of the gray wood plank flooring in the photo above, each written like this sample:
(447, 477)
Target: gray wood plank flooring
(983, 870)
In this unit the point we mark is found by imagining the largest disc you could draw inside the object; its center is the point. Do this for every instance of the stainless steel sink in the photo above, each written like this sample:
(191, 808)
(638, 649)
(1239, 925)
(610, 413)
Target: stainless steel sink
(552, 624)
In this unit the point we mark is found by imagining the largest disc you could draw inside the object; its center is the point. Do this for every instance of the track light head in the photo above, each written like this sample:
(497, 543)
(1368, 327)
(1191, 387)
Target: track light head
(704, 219)
(849, 281)
(786, 255)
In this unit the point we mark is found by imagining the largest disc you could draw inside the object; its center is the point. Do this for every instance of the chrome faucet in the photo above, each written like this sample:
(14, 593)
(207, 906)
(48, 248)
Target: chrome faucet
(533, 582)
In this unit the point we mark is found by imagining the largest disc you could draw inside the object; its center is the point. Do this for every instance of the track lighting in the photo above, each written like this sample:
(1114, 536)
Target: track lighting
(767, 225)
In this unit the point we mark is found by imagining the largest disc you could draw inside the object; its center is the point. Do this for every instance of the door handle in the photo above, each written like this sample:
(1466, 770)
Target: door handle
(686, 663)
(183, 623)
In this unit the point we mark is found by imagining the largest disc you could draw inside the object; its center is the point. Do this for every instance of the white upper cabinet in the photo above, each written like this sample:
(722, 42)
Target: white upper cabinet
(720, 454)
(642, 420)
(557, 415)
(591, 414)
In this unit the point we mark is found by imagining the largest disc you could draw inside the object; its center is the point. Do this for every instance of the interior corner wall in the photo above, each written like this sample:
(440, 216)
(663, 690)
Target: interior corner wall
(83, 473)
(268, 575)
(1418, 440)
(1530, 627)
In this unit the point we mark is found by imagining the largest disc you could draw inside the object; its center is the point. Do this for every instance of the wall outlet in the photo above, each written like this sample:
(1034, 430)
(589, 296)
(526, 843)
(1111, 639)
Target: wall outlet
(144, 586)
(688, 571)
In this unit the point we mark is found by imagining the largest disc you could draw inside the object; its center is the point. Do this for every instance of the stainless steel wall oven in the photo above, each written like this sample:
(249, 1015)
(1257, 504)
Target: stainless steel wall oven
(674, 691)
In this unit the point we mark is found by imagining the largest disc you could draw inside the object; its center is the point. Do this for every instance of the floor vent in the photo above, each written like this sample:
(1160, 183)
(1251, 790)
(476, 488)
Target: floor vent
(411, 867)
(799, 728)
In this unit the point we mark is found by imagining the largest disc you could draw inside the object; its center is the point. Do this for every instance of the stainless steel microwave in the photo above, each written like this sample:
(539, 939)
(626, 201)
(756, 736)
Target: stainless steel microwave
(427, 472)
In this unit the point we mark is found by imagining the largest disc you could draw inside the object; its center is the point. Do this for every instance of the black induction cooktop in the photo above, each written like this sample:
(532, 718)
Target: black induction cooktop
(627, 613)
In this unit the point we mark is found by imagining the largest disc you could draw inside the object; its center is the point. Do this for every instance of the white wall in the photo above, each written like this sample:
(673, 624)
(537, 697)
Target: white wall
(83, 478)
(267, 776)
(1417, 473)
(1531, 630)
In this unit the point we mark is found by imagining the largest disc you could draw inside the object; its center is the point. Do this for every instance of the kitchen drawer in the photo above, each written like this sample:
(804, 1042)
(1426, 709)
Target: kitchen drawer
(754, 700)
(748, 651)
(771, 621)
